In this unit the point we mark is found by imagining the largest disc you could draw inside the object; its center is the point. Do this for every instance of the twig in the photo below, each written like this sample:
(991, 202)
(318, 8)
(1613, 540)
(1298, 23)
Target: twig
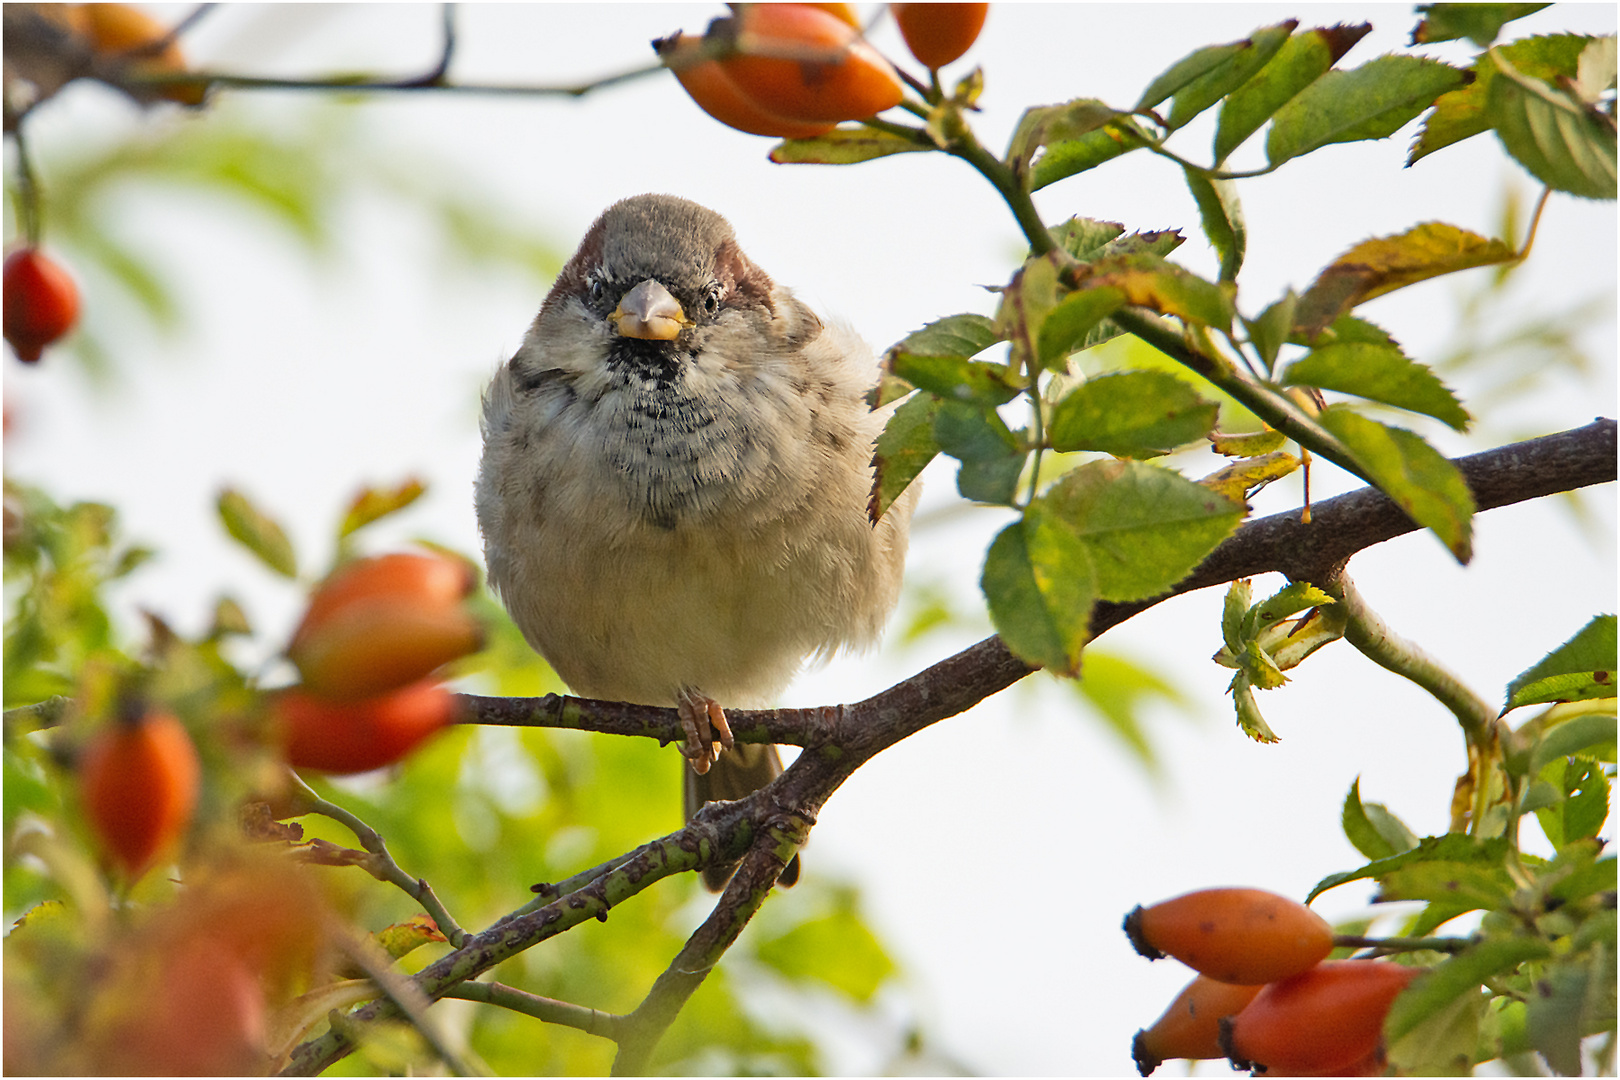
(591, 1021)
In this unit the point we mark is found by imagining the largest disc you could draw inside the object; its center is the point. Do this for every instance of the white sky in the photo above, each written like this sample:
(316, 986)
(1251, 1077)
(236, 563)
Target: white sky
(297, 383)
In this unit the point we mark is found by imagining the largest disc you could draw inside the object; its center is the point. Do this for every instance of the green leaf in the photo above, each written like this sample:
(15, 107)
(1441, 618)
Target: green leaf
(257, 531)
(955, 378)
(1136, 414)
(1383, 264)
(1047, 124)
(1301, 60)
(1186, 70)
(954, 335)
(1247, 444)
(1460, 114)
(1252, 54)
(1120, 692)
(1245, 475)
(838, 950)
(1558, 138)
(844, 146)
(1411, 472)
(1451, 847)
(1068, 326)
(1583, 805)
(1234, 612)
(1025, 303)
(904, 449)
(1086, 238)
(1372, 101)
(1248, 712)
(1270, 330)
(1573, 736)
(1040, 587)
(1148, 281)
(1072, 156)
(991, 458)
(1444, 1041)
(1145, 527)
(1222, 217)
(1261, 669)
(1581, 669)
(1291, 599)
(1378, 373)
(1457, 976)
(373, 503)
(1454, 884)
(1479, 23)
(1573, 996)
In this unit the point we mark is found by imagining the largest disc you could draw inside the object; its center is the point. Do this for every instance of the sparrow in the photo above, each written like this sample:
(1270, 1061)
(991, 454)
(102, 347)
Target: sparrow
(673, 493)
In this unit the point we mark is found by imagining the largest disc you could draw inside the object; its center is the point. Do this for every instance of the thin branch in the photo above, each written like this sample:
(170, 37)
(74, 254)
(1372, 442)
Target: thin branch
(591, 1021)
(1388, 945)
(405, 996)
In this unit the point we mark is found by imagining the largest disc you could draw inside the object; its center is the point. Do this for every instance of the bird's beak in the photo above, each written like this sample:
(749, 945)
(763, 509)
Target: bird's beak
(649, 312)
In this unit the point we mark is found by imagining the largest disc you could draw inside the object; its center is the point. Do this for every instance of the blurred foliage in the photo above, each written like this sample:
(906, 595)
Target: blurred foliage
(480, 813)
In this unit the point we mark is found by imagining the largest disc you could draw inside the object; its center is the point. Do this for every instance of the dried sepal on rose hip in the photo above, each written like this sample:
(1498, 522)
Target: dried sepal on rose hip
(138, 780)
(381, 623)
(358, 736)
(836, 75)
(1235, 935)
(1327, 1021)
(41, 302)
(937, 34)
(1191, 1026)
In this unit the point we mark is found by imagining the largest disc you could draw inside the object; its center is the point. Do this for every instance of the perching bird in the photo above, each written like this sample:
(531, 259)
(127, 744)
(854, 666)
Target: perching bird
(673, 492)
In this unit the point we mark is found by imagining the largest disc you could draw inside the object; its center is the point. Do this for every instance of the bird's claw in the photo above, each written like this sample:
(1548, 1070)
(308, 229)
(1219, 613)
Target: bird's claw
(704, 722)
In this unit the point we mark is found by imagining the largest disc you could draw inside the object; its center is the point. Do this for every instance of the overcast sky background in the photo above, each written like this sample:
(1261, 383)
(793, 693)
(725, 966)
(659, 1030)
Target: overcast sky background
(998, 850)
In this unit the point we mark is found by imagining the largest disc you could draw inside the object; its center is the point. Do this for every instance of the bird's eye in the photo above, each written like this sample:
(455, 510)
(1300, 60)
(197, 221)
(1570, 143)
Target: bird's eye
(711, 299)
(596, 288)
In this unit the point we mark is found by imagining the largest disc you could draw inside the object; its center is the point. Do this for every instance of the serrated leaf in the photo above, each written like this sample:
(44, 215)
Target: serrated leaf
(1136, 414)
(1574, 995)
(1270, 330)
(1455, 884)
(955, 378)
(257, 531)
(1411, 472)
(1582, 804)
(1587, 733)
(1291, 599)
(1039, 584)
(1383, 264)
(955, 335)
(1263, 672)
(1222, 218)
(1379, 373)
(1068, 326)
(1300, 61)
(1372, 101)
(1085, 238)
(374, 503)
(1350, 330)
(1160, 242)
(1047, 124)
(1246, 475)
(1234, 611)
(1248, 711)
(1146, 528)
(1073, 156)
(1025, 303)
(1456, 976)
(1290, 643)
(1148, 281)
(1194, 65)
(1451, 847)
(1581, 669)
(1253, 53)
(1479, 23)
(904, 449)
(1247, 444)
(1460, 114)
(1443, 1042)
(991, 458)
(844, 146)
(1552, 133)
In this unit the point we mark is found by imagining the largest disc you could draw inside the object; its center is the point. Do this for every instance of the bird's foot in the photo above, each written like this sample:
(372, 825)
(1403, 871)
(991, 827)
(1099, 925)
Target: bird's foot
(704, 722)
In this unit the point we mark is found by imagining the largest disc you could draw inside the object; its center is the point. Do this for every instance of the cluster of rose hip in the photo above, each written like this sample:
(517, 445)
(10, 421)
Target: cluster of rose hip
(369, 652)
(794, 71)
(1266, 995)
